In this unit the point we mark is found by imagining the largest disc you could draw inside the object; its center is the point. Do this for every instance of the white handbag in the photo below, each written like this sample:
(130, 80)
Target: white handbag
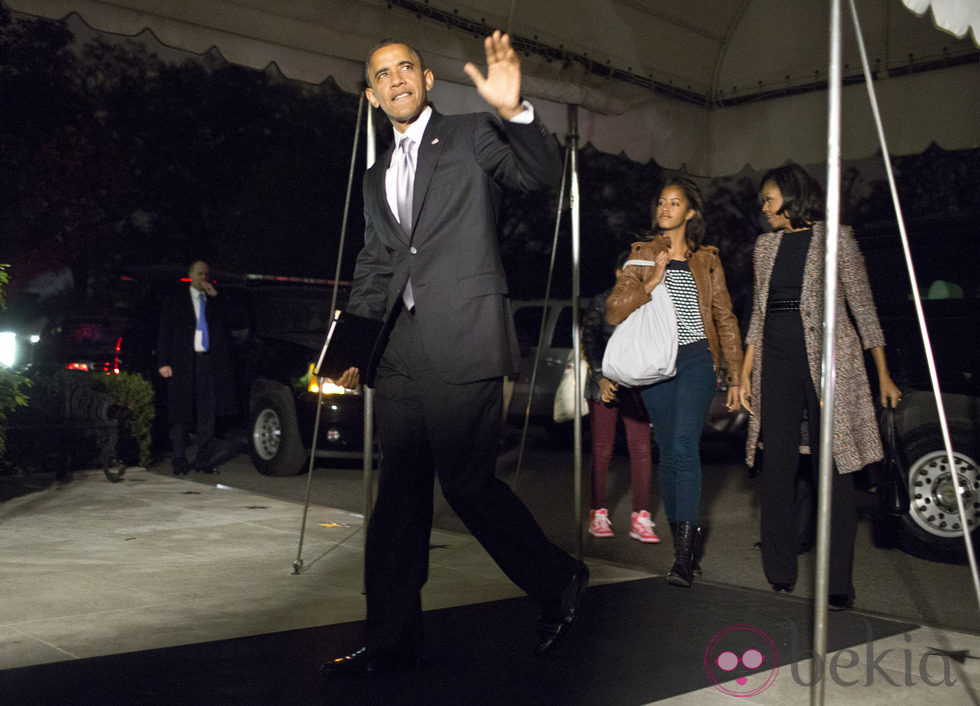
(564, 407)
(643, 348)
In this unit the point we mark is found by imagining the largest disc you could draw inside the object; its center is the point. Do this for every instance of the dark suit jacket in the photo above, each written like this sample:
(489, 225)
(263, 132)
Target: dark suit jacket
(175, 347)
(452, 254)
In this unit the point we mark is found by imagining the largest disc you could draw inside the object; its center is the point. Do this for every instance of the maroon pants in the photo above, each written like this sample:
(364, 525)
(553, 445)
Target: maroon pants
(603, 418)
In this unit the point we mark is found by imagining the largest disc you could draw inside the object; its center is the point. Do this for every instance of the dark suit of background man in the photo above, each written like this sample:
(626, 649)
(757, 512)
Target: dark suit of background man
(196, 364)
(438, 385)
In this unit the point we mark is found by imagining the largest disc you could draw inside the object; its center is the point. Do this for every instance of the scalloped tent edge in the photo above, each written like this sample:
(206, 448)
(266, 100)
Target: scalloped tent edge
(941, 106)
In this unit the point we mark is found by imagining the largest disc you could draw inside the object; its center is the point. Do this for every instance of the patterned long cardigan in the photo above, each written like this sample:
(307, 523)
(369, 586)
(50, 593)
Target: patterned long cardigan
(857, 441)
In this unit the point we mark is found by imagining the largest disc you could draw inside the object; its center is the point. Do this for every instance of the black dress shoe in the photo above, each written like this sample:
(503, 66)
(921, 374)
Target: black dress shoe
(840, 601)
(782, 587)
(370, 661)
(553, 626)
(180, 468)
(206, 469)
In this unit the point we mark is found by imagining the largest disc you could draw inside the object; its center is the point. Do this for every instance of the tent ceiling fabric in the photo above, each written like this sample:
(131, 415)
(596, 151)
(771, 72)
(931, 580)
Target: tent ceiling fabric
(708, 85)
(955, 16)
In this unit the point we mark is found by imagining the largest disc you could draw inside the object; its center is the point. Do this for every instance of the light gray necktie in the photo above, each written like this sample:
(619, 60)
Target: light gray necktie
(404, 185)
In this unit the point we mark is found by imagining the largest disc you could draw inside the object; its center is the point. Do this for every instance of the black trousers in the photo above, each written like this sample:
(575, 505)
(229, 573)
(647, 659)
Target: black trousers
(204, 416)
(788, 392)
(426, 428)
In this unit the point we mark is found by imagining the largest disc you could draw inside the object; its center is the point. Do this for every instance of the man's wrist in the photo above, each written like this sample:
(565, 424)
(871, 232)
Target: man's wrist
(522, 114)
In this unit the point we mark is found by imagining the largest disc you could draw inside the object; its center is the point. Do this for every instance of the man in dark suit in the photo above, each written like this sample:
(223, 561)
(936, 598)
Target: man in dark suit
(434, 274)
(193, 356)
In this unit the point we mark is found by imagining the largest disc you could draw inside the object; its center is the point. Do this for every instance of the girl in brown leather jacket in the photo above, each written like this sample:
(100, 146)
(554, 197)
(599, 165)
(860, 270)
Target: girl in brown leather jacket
(707, 334)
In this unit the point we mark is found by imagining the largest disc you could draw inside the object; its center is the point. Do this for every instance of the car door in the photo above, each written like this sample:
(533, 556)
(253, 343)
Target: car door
(557, 339)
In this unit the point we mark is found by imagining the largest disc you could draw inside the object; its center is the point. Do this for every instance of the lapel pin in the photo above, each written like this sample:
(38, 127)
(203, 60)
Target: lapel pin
(435, 140)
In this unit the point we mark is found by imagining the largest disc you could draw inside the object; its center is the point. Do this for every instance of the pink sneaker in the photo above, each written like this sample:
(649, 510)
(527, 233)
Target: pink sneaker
(641, 528)
(599, 523)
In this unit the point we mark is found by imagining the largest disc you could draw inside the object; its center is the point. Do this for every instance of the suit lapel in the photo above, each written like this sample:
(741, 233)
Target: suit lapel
(429, 150)
(376, 186)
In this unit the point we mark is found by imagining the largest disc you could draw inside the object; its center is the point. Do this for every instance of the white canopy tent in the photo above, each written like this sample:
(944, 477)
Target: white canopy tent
(704, 85)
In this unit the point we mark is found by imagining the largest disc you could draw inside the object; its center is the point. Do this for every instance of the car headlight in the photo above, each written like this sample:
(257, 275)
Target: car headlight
(329, 387)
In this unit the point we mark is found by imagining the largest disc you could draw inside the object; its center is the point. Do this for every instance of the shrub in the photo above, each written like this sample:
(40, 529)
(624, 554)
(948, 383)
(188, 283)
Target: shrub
(13, 385)
(133, 395)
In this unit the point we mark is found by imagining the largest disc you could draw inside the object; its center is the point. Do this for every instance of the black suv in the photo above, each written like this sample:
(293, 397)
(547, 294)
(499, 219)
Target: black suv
(278, 326)
(947, 264)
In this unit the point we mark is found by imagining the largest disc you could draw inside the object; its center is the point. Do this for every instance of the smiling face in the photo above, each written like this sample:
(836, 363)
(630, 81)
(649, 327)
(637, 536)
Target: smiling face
(398, 84)
(772, 206)
(673, 209)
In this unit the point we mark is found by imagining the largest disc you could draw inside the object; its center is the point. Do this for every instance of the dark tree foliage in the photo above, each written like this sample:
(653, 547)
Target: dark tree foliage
(110, 158)
(614, 208)
(58, 168)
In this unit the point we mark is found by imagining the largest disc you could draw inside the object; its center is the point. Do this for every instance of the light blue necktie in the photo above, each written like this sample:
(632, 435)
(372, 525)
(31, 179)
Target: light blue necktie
(202, 323)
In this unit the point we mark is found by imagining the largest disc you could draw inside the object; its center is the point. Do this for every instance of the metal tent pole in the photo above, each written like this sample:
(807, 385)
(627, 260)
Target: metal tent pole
(828, 382)
(370, 145)
(574, 205)
(917, 298)
(544, 320)
(298, 562)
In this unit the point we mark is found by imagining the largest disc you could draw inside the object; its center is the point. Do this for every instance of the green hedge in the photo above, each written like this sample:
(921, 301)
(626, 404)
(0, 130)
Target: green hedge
(133, 394)
(13, 386)
(13, 394)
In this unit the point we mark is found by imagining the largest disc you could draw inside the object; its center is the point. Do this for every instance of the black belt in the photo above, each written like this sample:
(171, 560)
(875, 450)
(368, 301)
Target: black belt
(200, 352)
(784, 305)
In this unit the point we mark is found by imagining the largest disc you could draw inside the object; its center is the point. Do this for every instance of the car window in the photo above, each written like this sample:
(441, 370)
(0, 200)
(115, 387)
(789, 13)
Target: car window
(287, 311)
(562, 337)
(236, 308)
(91, 333)
(527, 321)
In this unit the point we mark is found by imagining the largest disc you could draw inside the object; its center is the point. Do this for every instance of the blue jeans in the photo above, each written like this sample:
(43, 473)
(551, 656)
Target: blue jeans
(678, 408)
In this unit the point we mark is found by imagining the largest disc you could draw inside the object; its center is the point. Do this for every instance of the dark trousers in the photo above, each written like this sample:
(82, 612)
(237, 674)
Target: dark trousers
(677, 409)
(788, 391)
(426, 428)
(204, 416)
(602, 419)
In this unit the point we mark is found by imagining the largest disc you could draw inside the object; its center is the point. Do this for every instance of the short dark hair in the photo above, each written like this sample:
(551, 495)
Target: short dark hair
(388, 43)
(695, 228)
(803, 200)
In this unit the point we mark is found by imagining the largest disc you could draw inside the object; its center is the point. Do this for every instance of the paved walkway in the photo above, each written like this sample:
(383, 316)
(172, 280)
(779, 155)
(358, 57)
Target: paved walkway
(92, 568)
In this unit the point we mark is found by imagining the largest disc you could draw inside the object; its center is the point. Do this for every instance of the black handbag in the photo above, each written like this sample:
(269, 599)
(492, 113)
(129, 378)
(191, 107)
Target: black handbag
(893, 483)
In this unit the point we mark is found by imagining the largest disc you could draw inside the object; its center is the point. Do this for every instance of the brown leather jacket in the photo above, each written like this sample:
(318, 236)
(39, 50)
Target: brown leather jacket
(720, 324)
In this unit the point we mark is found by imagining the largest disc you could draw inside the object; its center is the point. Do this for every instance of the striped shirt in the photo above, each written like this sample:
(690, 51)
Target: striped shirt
(684, 294)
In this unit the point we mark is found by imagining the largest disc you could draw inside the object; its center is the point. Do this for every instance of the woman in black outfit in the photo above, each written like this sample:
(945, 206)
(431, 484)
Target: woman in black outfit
(785, 338)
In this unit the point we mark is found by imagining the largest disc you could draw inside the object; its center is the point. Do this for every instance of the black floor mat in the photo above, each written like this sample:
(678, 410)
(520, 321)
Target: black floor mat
(635, 642)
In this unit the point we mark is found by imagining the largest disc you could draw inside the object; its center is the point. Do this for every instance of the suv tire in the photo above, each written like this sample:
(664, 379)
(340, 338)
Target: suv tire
(274, 442)
(932, 529)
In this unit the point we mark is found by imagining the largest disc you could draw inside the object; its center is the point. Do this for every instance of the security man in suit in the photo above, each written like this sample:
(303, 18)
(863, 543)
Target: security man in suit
(431, 269)
(193, 357)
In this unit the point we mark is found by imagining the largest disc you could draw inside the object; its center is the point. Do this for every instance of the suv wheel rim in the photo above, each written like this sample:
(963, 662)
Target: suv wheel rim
(266, 434)
(933, 494)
